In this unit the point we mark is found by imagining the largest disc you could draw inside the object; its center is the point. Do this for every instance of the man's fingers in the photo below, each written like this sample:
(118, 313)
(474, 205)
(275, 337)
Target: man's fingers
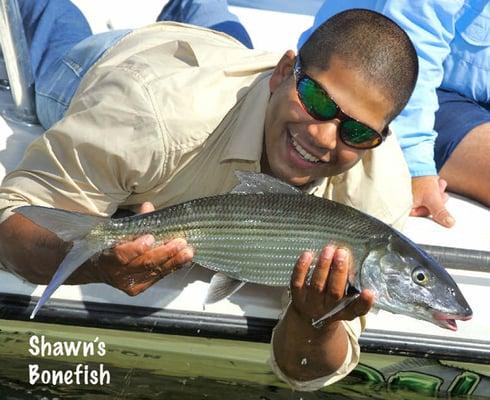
(442, 185)
(320, 273)
(429, 198)
(315, 295)
(337, 279)
(146, 207)
(443, 217)
(182, 257)
(126, 252)
(144, 278)
(298, 277)
(135, 266)
(134, 289)
(419, 212)
(430, 193)
(364, 303)
(158, 256)
(358, 307)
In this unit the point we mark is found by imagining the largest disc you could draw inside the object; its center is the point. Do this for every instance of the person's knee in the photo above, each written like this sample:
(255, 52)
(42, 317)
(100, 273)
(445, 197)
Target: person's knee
(208, 14)
(235, 29)
(467, 170)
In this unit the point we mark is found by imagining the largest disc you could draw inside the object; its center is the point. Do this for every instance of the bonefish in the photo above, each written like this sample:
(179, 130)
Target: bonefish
(256, 233)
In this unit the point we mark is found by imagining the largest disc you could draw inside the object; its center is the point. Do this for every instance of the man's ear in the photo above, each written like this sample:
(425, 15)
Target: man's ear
(282, 70)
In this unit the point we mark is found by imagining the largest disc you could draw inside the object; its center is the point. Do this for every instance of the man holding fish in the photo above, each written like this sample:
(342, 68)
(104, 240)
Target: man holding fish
(167, 113)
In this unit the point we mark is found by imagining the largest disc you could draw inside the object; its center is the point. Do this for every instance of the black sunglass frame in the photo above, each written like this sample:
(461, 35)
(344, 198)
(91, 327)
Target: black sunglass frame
(299, 74)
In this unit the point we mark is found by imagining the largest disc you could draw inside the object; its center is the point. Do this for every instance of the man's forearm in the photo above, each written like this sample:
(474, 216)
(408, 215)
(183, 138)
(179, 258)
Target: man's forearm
(303, 352)
(35, 253)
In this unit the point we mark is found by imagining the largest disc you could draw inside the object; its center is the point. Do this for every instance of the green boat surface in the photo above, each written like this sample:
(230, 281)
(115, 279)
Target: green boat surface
(170, 364)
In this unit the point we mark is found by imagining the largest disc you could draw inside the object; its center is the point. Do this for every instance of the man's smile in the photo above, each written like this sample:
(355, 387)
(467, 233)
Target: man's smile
(302, 152)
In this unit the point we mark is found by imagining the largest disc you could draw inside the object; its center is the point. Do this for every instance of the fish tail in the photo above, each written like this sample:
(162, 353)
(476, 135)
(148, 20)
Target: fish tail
(81, 251)
(68, 226)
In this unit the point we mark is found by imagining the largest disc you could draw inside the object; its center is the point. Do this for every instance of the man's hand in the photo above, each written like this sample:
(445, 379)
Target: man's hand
(135, 266)
(327, 286)
(302, 351)
(35, 253)
(429, 198)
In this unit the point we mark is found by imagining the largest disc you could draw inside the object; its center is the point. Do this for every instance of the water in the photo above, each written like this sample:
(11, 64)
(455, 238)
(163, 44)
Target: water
(145, 365)
(140, 384)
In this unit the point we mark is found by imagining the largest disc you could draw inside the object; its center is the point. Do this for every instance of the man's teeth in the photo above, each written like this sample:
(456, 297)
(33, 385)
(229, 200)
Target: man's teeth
(307, 156)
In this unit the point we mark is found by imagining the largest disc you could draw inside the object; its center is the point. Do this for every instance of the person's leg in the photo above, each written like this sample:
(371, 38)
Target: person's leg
(212, 14)
(467, 170)
(463, 145)
(52, 27)
(62, 49)
(57, 85)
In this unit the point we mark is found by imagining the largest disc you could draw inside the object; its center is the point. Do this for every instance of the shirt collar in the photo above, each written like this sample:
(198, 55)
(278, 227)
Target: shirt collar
(247, 138)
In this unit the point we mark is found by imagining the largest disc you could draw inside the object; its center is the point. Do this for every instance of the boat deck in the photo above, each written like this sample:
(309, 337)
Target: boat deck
(176, 302)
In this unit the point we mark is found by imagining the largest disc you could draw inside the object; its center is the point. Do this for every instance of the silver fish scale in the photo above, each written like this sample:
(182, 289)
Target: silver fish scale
(255, 237)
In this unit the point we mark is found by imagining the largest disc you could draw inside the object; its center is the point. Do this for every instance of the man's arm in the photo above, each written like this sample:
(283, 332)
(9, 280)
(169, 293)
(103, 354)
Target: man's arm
(35, 253)
(30, 251)
(430, 25)
(99, 155)
(301, 351)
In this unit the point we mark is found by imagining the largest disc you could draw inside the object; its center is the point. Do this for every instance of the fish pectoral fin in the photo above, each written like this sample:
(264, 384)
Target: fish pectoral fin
(254, 182)
(374, 310)
(341, 305)
(220, 287)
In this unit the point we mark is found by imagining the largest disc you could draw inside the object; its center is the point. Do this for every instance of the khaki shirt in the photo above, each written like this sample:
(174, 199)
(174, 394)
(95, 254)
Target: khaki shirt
(167, 115)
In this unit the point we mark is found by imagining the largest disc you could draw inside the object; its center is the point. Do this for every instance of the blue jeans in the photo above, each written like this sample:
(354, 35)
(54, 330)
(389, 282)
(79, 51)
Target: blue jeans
(62, 47)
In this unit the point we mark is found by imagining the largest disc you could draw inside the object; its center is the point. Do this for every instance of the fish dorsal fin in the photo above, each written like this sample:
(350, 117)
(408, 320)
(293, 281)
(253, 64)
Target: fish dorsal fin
(220, 287)
(255, 182)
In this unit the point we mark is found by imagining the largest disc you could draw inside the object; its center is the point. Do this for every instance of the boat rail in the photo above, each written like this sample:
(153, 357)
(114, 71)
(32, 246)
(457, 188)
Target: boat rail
(16, 57)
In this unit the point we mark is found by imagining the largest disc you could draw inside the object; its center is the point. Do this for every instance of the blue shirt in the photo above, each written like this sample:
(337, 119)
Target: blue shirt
(452, 38)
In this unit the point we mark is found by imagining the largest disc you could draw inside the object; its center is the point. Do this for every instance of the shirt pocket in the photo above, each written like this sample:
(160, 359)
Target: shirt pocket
(472, 37)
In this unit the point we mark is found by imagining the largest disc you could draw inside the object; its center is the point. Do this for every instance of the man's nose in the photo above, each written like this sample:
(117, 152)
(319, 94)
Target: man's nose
(325, 134)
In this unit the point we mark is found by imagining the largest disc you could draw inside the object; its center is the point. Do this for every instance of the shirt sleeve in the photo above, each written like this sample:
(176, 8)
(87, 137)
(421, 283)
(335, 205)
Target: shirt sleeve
(108, 146)
(353, 329)
(430, 25)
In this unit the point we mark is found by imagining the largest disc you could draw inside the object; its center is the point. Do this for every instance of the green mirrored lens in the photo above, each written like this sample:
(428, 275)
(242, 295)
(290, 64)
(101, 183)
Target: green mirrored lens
(316, 100)
(359, 135)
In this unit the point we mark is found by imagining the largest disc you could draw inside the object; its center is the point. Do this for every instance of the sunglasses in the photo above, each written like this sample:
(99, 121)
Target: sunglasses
(317, 102)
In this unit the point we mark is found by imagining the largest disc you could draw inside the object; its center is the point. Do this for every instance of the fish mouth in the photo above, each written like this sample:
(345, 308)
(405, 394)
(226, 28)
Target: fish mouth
(448, 321)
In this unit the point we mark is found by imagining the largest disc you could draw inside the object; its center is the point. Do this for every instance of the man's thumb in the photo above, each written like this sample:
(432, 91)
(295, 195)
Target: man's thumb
(443, 217)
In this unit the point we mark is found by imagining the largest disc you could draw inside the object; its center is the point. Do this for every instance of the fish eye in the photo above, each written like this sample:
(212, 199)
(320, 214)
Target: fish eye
(420, 277)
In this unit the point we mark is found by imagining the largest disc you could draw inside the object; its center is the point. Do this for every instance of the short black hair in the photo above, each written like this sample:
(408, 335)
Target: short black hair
(370, 43)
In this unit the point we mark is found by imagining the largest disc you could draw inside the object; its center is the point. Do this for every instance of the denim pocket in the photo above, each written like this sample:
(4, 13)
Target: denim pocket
(57, 86)
(86, 53)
